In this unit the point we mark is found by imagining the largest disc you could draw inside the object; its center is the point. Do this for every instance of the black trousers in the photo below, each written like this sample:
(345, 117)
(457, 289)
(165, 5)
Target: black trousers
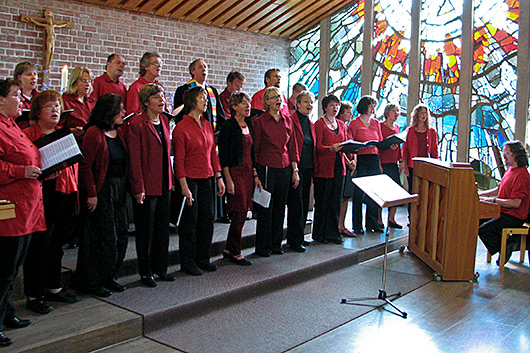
(104, 244)
(42, 267)
(328, 198)
(152, 233)
(196, 223)
(269, 227)
(367, 165)
(490, 232)
(12, 254)
(298, 207)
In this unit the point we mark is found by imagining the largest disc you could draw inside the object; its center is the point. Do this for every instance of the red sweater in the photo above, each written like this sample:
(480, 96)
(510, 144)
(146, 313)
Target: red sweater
(389, 155)
(410, 147)
(325, 138)
(515, 184)
(274, 141)
(194, 149)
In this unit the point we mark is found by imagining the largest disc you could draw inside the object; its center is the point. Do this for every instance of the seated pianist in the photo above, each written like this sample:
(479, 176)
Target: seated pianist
(513, 195)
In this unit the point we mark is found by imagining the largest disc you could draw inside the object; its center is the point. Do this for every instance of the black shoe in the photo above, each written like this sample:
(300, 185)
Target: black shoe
(323, 241)
(149, 281)
(61, 297)
(277, 252)
(207, 267)
(298, 248)
(376, 229)
(114, 286)
(509, 250)
(166, 277)
(15, 323)
(224, 220)
(226, 255)
(39, 306)
(306, 243)
(242, 261)
(263, 253)
(191, 269)
(101, 292)
(5, 341)
(335, 241)
(358, 231)
(395, 225)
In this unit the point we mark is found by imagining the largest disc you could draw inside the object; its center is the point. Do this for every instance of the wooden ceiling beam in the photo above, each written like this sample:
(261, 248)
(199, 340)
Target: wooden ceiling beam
(272, 16)
(150, 6)
(131, 4)
(224, 6)
(184, 8)
(167, 8)
(203, 10)
(254, 9)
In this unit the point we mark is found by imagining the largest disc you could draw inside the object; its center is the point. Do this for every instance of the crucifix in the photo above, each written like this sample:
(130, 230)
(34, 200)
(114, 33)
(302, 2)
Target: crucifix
(49, 25)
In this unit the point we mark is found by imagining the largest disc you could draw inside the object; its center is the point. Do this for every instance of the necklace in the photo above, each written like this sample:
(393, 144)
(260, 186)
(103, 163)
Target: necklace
(332, 125)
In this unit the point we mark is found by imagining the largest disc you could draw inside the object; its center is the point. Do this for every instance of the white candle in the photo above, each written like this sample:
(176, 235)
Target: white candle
(64, 78)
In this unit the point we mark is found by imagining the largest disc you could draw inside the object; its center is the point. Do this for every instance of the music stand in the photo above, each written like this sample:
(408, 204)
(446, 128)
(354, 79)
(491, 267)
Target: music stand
(386, 193)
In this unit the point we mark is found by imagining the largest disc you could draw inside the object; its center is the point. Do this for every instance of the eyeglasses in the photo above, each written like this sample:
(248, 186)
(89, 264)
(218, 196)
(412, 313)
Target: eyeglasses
(275, 97)
(52, 107)
(157, 63)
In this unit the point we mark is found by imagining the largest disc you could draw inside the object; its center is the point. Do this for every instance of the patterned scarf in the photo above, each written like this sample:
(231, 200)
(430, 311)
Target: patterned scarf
(213, 101)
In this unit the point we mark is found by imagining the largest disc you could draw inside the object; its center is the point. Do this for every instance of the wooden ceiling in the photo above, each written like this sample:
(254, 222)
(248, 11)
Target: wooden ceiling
(281, 18)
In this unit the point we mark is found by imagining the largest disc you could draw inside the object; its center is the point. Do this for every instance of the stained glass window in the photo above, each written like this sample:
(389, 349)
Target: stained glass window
(304, 60)
(494, 72)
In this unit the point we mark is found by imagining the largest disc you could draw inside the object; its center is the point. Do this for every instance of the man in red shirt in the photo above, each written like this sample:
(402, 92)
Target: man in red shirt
(272, 79)
(234, 83)
(110, 82)
(150, 68)
(513, 195)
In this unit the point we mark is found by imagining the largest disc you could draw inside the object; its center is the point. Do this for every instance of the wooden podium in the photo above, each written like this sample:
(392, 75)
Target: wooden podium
(444, 222)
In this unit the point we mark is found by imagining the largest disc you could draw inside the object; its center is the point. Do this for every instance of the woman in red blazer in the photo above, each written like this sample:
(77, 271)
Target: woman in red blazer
(42, 268)
(196, 163)
(330, 170)
(103, 172)
(151, 179)
(422, 140)
(19, 170)
(298, 198)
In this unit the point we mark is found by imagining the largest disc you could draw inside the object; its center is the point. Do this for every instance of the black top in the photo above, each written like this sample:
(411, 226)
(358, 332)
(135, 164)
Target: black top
(117, 157)
(306, 159)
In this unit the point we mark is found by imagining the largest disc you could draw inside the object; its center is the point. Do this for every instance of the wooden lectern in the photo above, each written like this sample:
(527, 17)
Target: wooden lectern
(444, 222)
(386, 193)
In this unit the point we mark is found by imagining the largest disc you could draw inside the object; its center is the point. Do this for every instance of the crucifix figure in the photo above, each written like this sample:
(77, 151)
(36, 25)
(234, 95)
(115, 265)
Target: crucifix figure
(49, 25)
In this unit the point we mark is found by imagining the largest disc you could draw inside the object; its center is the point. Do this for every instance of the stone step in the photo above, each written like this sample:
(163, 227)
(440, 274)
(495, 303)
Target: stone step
(138, 345)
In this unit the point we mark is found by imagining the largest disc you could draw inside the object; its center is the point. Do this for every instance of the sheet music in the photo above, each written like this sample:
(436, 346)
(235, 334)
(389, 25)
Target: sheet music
(59, 151)
(262, 197)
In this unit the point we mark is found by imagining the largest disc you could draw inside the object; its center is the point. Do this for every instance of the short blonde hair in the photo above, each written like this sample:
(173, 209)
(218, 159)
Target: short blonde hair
(77, 74)
(269, 91)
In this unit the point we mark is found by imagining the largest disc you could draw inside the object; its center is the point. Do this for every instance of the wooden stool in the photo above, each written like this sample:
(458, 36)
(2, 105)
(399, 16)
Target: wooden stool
(505, 232)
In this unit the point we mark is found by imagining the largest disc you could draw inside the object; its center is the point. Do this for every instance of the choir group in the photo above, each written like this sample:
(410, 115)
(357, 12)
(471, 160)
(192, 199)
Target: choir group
(175, 166)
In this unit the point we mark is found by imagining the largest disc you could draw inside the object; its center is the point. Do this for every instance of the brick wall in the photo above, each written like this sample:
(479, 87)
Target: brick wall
(99, 31)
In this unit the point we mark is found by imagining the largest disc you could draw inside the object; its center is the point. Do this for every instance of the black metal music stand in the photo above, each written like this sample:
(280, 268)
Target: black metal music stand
(386, 193)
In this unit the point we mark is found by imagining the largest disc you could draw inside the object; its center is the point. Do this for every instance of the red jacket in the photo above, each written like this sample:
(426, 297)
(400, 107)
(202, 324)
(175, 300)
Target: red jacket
(325, 159)
(17, 152)
(299, 134)
(410, 147)
(145, 154)
(66, 182)
(94, 167)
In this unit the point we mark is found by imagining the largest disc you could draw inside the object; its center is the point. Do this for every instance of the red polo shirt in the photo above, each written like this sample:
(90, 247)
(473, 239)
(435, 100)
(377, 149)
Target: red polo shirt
(103, 84)
(133, 101)
(79, 117)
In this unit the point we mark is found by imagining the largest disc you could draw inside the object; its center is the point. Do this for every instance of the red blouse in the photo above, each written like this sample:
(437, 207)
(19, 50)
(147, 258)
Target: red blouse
(325, 138)
(274, 141)
(389, 155)
(359, 132)
(79, 117)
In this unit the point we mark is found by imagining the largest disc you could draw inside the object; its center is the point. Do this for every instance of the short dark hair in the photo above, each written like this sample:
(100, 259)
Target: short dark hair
(191, 66)
(268, 74)
(345, 106)
(517, 148)
(5, 86)
(329, 99)
(190, 98)
(145, 60)
(364, 104)
(21, 67)
(233, 75)
(299, 86)
(40, 100)
(146, 92)
(105, 110)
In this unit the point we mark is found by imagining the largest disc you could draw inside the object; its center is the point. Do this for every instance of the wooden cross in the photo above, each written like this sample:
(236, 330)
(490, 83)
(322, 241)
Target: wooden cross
(49, 25)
